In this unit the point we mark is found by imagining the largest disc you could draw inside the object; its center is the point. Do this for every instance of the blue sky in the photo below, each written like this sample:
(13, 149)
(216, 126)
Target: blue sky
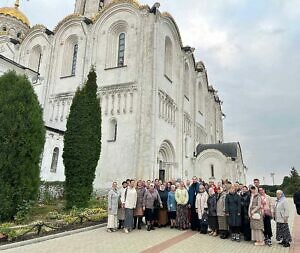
(251, 51)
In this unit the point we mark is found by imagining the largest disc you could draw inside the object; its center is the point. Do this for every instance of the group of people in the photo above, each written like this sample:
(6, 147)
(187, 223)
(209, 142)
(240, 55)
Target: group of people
(224, 209)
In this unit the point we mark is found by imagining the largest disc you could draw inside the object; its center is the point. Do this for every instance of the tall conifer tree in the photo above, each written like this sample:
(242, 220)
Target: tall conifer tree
(82, 143)
(22, 137)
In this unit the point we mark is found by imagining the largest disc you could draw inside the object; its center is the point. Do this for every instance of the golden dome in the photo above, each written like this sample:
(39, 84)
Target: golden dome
(15, 13)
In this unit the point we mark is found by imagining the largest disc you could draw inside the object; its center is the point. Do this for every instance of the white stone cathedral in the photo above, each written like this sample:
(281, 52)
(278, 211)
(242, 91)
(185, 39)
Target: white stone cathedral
(160, 116)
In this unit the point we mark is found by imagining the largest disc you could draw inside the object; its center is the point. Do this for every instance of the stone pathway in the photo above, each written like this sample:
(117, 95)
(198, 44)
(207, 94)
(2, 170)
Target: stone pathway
(161, 240)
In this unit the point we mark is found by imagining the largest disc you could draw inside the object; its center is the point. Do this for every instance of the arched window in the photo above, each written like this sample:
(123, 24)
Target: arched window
(35, 58)
(54, 160)
(121, 50)
(112, 131)
(117, 44)
(70, 57)
(186, 81)
(168, 58)
(74, 59)
(212, 171)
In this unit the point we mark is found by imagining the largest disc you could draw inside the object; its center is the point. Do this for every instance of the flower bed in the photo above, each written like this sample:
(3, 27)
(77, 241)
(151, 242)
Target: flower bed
(52, 219)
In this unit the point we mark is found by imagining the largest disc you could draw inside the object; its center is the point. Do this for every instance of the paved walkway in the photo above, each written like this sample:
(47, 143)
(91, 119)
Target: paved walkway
(161, 240)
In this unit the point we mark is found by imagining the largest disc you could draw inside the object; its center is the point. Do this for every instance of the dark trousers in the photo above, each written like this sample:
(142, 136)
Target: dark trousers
(202, 226)
(137, 220)
(245, 229)
(235, 229)
(267, 227)
(194, 219)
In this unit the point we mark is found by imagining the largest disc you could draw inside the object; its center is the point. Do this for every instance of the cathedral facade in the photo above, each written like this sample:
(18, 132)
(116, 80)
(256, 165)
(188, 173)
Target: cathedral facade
(159, 113)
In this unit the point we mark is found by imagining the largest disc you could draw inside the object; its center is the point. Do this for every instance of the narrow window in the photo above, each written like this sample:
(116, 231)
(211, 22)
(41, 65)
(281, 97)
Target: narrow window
(113, 127)
(186, 147)
(212, 170)
(74, 59)
(168, 58)
(121, 50)
(35, 58)
(54, 160)
(39, 63)
(186, 81)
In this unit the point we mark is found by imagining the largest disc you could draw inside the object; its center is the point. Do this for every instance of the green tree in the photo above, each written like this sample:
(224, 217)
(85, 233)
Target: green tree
(22, 137)
(291, 183)
(82, 143)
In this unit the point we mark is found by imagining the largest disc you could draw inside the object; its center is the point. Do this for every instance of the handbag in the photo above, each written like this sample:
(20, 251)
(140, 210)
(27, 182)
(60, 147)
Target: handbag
(156, 203)
(256, 216)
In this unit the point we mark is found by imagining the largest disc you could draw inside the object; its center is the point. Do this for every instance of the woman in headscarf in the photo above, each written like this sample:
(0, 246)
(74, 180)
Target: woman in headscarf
(256, 217)
(163, 212)
(212, 212)
(182, 198)
(151, 199)
(138, 211)
(121, 209)
(268, 213)
(113, 200)
(281, 217)
(172, 206)
(233, 211)
(222, 219)
(201, 209)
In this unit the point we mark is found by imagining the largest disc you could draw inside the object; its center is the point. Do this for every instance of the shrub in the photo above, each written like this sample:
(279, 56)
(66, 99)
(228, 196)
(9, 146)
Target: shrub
(22, 136)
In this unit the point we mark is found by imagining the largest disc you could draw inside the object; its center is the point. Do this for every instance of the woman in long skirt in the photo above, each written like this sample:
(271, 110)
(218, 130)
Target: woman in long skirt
(121, 209)
(256, 217)
(182, 198)
(163, 212)
(113, 199)
(138, 211)
(281, 217)
(233, 211)
(222, 218)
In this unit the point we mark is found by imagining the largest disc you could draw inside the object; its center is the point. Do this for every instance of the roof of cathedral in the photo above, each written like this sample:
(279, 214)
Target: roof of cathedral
(227, 149)
(15, 13)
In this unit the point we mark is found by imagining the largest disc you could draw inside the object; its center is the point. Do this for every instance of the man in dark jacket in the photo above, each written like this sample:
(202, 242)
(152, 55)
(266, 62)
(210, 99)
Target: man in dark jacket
(297, 201)
(193, 190)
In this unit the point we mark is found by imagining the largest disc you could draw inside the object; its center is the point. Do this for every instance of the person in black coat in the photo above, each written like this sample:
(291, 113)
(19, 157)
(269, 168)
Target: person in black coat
(245, 202)
(297, 201)
(212, 212)
(193, 190)
(233, 211)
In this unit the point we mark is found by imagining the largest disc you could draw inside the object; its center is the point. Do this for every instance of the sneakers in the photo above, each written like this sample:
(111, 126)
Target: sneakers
(269, 242)
(233, 237)
(237, 237)
(126, 231)
(109, 230)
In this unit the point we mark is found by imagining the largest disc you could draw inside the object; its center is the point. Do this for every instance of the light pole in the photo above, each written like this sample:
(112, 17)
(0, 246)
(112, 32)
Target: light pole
(272, 176)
